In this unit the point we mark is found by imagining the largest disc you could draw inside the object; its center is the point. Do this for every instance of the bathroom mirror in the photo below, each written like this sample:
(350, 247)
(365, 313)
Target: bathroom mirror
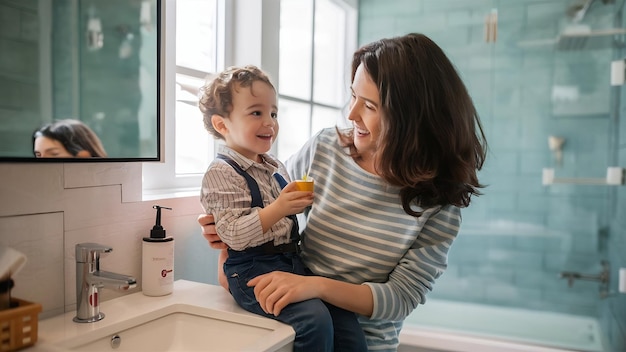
(96, 61)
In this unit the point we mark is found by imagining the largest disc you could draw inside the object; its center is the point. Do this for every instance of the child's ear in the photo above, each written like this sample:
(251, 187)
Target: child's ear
(218, 123)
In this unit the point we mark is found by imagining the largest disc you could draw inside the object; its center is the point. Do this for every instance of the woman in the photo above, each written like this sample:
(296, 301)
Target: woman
(388, 191)
(67, 139)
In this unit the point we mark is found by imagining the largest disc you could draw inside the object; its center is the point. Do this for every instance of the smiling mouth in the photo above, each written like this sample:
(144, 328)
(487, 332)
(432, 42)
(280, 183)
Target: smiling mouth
(361, 132)
(265, 136)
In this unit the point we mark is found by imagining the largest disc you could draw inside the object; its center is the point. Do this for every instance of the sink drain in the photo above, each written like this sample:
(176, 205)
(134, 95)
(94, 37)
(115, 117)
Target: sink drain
(116, 341)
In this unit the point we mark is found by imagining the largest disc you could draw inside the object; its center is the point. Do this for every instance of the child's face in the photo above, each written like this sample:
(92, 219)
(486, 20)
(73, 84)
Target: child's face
(253, 122)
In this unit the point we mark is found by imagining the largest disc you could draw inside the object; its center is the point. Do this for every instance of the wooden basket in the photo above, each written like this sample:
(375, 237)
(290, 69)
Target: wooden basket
(18, 325)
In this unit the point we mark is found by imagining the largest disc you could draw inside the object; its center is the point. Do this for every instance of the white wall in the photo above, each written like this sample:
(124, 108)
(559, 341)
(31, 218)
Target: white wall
(46, 209)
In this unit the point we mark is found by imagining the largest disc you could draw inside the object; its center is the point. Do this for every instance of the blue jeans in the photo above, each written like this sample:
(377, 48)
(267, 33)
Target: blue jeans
(319, 326)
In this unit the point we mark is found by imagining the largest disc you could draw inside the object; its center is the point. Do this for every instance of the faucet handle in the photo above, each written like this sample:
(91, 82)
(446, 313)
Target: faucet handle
(90, 252)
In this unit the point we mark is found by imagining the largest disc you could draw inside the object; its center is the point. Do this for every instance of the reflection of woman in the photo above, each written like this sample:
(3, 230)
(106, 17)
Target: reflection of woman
(67, 139)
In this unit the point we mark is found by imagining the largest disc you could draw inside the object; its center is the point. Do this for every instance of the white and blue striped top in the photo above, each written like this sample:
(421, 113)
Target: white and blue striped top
(357, 231)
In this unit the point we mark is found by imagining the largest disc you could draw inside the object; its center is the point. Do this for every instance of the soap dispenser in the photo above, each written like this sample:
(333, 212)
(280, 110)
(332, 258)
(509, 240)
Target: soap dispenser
(157, 267)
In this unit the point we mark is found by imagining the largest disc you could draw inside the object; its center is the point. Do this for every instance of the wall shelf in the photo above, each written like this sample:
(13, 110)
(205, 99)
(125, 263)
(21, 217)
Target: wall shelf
(614, 177)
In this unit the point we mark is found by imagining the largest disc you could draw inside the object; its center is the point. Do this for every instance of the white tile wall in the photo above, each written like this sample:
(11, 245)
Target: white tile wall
(46, 209)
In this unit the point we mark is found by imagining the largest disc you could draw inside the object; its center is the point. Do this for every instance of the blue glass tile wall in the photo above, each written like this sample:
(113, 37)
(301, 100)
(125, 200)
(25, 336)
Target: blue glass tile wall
(518, 236)
(19, 71)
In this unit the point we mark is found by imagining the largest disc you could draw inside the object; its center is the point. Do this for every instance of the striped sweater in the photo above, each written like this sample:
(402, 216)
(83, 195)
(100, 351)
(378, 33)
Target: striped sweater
(356, 231)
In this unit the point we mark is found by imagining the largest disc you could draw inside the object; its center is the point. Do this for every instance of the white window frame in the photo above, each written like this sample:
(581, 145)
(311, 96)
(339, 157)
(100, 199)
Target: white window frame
(160, 178)
(255, 41)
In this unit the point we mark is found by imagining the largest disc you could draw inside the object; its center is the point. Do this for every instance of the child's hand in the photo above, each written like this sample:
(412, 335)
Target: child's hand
(291, 201)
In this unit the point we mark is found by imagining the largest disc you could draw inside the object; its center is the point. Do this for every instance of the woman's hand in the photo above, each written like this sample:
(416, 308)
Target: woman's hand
(207, 222)
(275, 290)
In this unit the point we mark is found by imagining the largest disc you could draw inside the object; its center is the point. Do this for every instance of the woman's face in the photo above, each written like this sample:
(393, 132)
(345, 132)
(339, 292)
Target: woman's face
(45, 147)
(365, 112)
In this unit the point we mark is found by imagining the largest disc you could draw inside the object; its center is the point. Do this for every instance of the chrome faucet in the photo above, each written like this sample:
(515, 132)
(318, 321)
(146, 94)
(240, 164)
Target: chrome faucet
(602, 278)
(90, 279)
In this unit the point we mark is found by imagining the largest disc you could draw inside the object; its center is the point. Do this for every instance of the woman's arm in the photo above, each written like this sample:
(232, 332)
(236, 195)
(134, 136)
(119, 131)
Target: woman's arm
(406, 285)
(415, 274)
(221, 277)
(207, 223)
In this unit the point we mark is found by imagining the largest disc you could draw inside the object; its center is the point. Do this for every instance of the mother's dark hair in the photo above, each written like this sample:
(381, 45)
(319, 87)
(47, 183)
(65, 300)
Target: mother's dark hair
(432, 143)
(74, 135)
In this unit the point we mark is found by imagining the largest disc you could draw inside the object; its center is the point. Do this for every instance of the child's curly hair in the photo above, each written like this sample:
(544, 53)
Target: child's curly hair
(217, 96)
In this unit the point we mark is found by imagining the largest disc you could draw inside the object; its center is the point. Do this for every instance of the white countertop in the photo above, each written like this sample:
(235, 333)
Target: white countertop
(128, 311)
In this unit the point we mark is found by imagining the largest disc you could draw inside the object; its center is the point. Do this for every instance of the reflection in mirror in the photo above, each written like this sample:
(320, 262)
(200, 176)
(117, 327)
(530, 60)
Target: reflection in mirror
(67, 139)
(96, 61)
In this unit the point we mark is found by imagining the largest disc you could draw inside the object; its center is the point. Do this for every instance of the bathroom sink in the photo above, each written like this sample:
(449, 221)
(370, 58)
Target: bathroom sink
(196, 317)
(179, 331)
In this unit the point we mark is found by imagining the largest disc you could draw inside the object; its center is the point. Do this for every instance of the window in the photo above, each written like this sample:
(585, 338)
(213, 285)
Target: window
(192, 54)
(313, 73)
(317, 39)
(196, 59)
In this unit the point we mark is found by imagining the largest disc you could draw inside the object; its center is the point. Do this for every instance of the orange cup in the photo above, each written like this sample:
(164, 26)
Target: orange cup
(307, 185)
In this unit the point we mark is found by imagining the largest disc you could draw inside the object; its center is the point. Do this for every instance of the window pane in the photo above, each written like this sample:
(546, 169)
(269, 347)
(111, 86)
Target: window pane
(324, 117)
(196, 34)
(330, 29)
(294, 121)
(296, 22)
(194, 145)
(196, 47)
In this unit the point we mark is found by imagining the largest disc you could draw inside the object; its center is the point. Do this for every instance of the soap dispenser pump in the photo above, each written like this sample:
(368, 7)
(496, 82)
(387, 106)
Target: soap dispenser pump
(157, 267)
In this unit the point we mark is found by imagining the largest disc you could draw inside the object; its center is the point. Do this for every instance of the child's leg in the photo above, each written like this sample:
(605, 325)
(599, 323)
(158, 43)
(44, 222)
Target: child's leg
(312, 324)
(349, 335)
(310, 319)
(241, 268)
